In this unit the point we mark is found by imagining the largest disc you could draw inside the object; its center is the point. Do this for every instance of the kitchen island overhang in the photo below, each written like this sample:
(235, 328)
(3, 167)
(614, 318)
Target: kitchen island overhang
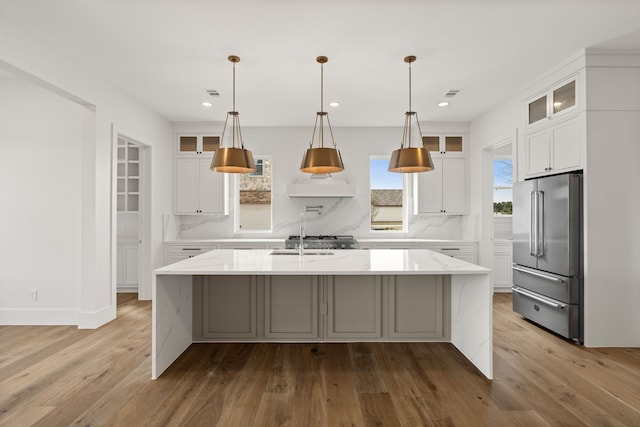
(469, 286)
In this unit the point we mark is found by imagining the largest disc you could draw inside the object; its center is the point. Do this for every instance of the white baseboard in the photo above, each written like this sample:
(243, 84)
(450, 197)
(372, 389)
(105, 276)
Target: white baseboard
(32, 317)
(95, 319)
(124, 289)
(502, 289)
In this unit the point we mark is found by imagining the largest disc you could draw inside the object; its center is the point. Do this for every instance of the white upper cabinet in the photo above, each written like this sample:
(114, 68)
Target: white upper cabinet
(444, 145)
(554, 149)
(197, 144)
(444, 189)
(561, 100)
(552, 140)
(199, 190)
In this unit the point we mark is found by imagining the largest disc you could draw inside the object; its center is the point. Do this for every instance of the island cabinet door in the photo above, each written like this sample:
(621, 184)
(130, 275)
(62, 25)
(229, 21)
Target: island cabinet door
(228, 307)
(291, 307)
(354, 307)
(415, 306)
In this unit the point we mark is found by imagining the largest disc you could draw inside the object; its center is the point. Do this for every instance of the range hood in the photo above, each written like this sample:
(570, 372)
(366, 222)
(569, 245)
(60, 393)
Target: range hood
(321, 185)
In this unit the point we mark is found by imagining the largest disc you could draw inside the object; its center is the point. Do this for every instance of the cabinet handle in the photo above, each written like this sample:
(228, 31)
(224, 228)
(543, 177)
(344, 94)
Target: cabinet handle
(450, 249)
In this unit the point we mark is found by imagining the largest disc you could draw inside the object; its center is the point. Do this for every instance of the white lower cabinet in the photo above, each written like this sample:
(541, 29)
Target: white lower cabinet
(463, 251)
(353, 306)
(291, 307)
(174, 252)
(127, 267)
(502, 263)
(415, 306)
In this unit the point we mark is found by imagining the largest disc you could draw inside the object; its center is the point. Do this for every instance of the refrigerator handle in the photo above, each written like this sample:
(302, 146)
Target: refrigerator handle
(540, 215)
(538, 298)
(533, 231)
(537, 274)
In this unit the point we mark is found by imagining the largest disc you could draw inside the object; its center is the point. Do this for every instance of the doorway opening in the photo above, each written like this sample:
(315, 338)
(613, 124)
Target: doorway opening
(130, 219)
(497, 209)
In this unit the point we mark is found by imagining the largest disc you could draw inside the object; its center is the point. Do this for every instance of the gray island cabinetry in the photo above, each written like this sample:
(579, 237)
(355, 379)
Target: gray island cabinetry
(329, 296)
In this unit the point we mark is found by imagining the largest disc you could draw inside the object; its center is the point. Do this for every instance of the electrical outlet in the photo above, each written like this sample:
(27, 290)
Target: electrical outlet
(34, 294)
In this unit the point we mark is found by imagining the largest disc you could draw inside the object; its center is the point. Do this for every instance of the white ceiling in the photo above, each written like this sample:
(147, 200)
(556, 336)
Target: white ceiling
(166, 53)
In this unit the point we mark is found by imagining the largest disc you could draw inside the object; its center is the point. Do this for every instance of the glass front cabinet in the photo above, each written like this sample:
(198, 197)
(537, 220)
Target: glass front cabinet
(197, 144)
(450, 145)
(560, 100)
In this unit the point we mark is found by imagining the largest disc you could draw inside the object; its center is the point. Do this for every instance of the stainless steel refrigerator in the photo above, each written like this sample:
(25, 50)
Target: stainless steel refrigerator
(548, 253)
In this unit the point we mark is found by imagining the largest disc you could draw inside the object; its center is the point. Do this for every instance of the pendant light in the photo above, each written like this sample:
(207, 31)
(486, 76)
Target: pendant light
(234, 159)
(409, 159)
(321, 159)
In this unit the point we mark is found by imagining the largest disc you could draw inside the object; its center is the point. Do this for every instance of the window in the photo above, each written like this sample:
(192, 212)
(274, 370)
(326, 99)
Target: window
(254, 198)
(502, 187)
(387, 196)
(259, 168)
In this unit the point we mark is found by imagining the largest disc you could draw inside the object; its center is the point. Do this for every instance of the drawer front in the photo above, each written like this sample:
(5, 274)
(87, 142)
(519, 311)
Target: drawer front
(174, 253)
(452, 249)
(561, 288)
(561, 318)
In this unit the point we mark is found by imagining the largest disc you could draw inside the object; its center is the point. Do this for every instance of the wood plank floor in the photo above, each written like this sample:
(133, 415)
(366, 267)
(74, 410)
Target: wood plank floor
(60, 376)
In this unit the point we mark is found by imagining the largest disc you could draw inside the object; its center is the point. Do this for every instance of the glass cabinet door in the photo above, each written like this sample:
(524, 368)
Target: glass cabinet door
(431, 142)
(564, 97)
(453, 144)
(443, 144)
(188, 144)
(210, 143)
(538, 109)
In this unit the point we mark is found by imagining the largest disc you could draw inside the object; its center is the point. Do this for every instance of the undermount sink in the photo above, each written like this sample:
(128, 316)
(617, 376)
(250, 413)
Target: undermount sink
(296, 253)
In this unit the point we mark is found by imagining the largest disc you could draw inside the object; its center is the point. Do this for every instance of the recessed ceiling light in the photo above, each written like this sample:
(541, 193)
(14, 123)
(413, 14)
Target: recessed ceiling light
(334, 104)
(207, 104)
(443, 103)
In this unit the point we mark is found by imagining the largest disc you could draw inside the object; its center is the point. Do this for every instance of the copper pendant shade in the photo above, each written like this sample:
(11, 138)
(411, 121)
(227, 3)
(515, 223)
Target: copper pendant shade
(321, 159)
(234, 159)
(409, 159)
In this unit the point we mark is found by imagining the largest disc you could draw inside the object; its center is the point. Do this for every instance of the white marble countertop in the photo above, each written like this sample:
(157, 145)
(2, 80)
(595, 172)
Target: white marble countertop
(376, 261)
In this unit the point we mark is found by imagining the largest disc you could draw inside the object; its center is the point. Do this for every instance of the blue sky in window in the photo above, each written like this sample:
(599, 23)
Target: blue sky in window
(502, 176)
(381, 179)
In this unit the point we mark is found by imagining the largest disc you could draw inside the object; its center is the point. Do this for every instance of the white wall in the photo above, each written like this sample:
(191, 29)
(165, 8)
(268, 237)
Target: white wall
(40, 219)
(500, 125)
(612, 201)
(106, 109)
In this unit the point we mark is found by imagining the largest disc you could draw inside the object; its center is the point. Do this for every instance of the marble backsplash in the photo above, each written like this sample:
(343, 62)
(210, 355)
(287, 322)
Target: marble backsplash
(331, 219)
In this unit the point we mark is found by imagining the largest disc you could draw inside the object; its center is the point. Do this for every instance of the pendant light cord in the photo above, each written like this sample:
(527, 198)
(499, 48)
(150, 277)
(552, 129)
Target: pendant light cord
(321, 114)
(409, 86)
(321, 134)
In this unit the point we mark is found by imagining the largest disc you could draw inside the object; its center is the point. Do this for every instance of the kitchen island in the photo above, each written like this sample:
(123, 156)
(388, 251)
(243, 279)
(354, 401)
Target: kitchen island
(352, 295)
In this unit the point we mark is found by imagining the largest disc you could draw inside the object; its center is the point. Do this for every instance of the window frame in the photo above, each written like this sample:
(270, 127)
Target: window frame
(501, 187)
(237, 225)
